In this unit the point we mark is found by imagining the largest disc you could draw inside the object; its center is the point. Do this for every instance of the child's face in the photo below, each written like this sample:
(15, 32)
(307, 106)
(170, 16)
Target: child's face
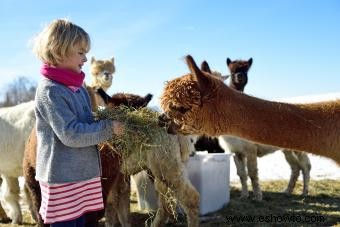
(74, 61)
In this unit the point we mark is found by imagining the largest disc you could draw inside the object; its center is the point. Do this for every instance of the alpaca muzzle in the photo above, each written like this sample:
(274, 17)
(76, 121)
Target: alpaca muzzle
(165, 122)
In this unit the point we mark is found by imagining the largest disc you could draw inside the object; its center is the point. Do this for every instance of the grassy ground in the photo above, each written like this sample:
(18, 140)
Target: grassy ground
(321, 207)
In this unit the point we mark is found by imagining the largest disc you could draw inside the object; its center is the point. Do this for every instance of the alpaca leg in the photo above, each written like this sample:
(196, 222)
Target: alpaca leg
(253, 175)
(34, 194)
(3, 215)
(240, 163)
(295, 170)
(305, 166)
(110, 213)
(189, 198)
(123, 208)
(11, 195)
(28, 200)
(183, 191)
(161, 213)
(117, 207)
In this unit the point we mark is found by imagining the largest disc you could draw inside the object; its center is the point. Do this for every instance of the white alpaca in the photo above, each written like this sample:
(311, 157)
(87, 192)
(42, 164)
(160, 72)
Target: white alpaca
(246, 154)
(16, 123)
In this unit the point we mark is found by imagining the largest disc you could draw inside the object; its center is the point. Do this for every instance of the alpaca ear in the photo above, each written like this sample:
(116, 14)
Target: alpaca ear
(205, 67)
(228, 61)
(250, 61)
(148, 98)
(113, 60)
(93, 60)
(202, 80)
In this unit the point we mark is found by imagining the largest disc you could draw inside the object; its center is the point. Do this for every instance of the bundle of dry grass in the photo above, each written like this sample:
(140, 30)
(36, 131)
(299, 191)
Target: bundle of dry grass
(140, 127)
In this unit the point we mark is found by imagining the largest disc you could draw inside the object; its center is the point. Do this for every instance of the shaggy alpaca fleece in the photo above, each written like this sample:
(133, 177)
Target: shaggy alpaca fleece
(199, 104)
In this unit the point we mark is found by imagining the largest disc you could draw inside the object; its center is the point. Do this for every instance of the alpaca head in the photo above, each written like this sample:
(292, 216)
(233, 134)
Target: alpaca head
(189, 101)
(129, 100)
(126, 99)
(102, 73)
(239, 73)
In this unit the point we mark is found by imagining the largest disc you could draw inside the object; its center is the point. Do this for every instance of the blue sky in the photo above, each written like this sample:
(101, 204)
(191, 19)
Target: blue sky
(295, 45)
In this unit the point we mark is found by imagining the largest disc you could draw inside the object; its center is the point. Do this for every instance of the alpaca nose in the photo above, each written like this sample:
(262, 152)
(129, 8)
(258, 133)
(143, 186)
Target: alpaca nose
(107, 75)
(240, 76)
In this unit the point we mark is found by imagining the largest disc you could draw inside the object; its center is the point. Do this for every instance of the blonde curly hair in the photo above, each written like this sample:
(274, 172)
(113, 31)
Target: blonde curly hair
(58, 39)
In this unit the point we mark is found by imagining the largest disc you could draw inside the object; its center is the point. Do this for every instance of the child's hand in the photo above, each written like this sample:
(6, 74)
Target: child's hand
(118, 128)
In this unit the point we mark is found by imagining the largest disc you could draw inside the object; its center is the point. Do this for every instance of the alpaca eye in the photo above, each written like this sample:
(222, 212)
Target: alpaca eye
(180, 109)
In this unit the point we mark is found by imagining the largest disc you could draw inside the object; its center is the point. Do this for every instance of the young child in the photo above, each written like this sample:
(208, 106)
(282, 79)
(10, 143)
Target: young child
(68, 164)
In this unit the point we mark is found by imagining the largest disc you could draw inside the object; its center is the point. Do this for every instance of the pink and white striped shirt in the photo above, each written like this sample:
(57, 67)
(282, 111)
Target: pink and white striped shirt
(64, 202)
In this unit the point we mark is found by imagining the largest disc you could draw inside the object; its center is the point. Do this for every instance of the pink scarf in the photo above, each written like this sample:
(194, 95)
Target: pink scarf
(66, 77)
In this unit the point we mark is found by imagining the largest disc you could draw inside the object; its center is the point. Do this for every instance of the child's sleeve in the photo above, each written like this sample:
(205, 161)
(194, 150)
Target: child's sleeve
(54, 107)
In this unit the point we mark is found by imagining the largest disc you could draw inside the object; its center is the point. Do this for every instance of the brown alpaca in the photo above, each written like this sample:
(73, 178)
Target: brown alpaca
(238, 72)
(199, 104)
(125, 99)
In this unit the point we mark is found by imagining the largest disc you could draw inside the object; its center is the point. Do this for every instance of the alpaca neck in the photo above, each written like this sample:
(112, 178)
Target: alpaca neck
(105, 88)
(96, 84)
(299, 127)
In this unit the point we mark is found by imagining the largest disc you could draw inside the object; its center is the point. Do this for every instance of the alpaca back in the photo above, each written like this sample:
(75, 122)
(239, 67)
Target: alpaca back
(16, 123)
(263, 149)
(236, 144)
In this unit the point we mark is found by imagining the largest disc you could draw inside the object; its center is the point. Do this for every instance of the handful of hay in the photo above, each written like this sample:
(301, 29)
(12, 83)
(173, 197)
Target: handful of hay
(140, 125)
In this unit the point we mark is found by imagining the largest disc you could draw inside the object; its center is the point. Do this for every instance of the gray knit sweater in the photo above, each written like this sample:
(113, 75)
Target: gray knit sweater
(67, 134)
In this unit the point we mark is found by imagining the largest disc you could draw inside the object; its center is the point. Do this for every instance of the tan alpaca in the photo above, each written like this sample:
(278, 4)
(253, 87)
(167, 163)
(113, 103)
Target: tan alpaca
(199, 104)
(101, 77)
